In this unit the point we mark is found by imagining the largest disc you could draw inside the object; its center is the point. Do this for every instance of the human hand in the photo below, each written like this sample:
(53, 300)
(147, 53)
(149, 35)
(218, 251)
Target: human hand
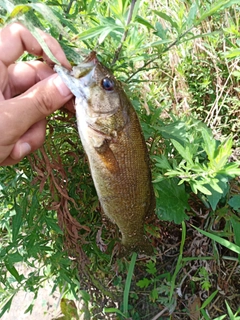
(29, 91)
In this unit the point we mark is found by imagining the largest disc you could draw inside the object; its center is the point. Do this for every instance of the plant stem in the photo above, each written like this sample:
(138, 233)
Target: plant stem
(117, 52)
(156, 317)
(65, 14)
(157, 55)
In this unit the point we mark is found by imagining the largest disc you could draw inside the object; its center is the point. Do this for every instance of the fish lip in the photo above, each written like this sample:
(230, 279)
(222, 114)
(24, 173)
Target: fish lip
(80, 76)
(73, 83)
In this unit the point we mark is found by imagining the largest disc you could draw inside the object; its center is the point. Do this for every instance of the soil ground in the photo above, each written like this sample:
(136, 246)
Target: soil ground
(46, 307)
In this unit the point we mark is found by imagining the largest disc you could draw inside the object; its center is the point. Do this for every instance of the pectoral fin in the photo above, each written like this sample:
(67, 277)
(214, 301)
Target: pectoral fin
(107, 156)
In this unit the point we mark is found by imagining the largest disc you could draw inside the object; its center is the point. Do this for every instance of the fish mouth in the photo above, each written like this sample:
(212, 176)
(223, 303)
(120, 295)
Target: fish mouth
(81, 76)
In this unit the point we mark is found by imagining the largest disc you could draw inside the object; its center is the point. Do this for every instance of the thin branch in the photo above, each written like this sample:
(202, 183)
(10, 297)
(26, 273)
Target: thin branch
(124, 36)
(69, 6)
(65, 14)
(159, 314)
(165, 50)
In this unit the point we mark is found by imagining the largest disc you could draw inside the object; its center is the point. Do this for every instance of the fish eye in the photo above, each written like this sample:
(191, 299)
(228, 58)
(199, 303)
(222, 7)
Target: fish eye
(108, 84)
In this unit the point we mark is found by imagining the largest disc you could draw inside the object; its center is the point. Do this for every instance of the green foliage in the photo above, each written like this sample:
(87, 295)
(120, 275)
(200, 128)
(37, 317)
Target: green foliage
(179, 65)
(231, 246)
(199, 161)
(234, 202)
(172, 201)
(158, 285)
(203, 277)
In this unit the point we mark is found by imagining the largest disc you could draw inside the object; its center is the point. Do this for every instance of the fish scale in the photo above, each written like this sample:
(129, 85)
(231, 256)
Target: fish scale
(113, 141)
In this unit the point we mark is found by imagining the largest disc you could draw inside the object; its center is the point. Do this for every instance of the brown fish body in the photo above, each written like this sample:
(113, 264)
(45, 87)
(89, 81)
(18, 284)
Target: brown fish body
(112, 138)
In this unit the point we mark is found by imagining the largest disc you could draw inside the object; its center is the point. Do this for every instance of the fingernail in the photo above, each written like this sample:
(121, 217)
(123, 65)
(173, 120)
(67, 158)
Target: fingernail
(24, 149)
(62, 88)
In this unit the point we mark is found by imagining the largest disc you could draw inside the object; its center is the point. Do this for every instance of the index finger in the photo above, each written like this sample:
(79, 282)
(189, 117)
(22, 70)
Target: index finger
(15, 39)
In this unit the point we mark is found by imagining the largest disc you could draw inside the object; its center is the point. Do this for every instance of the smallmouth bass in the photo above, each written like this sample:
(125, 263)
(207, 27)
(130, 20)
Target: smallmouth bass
(113, 141)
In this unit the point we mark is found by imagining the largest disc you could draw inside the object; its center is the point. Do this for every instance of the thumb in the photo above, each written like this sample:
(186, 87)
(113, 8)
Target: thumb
(35, 104)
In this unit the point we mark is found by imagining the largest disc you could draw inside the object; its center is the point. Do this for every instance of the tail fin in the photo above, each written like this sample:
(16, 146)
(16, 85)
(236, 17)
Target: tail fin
(141, 246)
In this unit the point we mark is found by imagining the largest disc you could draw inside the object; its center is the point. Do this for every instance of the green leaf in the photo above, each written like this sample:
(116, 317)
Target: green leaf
(49, 15)
(151, 267)
(236, 73)
(104, 34)
(128, 283)
(215, 8)
(44, 10)
(197, 186)
(14, 257)
(230, 313)
(206, 285)
(234, 202)
(184, 151)
(231, 169)
(176, 130)
(71, 53)
(161, 32)
(14, 272)
(64, 22)
(114, 310)
(16, 222)
(191, 15)
(217, 195)
(223, 153)
(205, 315)
(209, 144)
(144, 22)
(220, 318)
(172, 201)
(19, 10)
(157, 43)
(154, 294)
(144, 283)
(231, 246)
(208, 300)
(6, 306)
(233, 54)
(136, 7)
(90, 5)
(35, 32)
(236, 229)
(167, 18)
(52, 224)
(162, 162)
(33, 209)
(91, 33)
(85, 295)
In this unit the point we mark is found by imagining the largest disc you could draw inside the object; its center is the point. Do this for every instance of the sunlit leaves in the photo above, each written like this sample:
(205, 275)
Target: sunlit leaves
(172, 201)
(203, 161)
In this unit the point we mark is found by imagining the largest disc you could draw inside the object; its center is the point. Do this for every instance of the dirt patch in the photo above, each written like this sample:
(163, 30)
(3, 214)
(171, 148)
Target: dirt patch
(46, 306)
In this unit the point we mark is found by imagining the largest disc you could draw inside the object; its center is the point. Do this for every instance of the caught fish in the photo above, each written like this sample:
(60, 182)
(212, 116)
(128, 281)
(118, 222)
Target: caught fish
(113, 141)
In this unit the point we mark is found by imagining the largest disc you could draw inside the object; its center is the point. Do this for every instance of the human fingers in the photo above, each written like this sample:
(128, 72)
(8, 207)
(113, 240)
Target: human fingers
(23, 75)
(17, 115)
(3, 80)
(29, 142)
(15, 39)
